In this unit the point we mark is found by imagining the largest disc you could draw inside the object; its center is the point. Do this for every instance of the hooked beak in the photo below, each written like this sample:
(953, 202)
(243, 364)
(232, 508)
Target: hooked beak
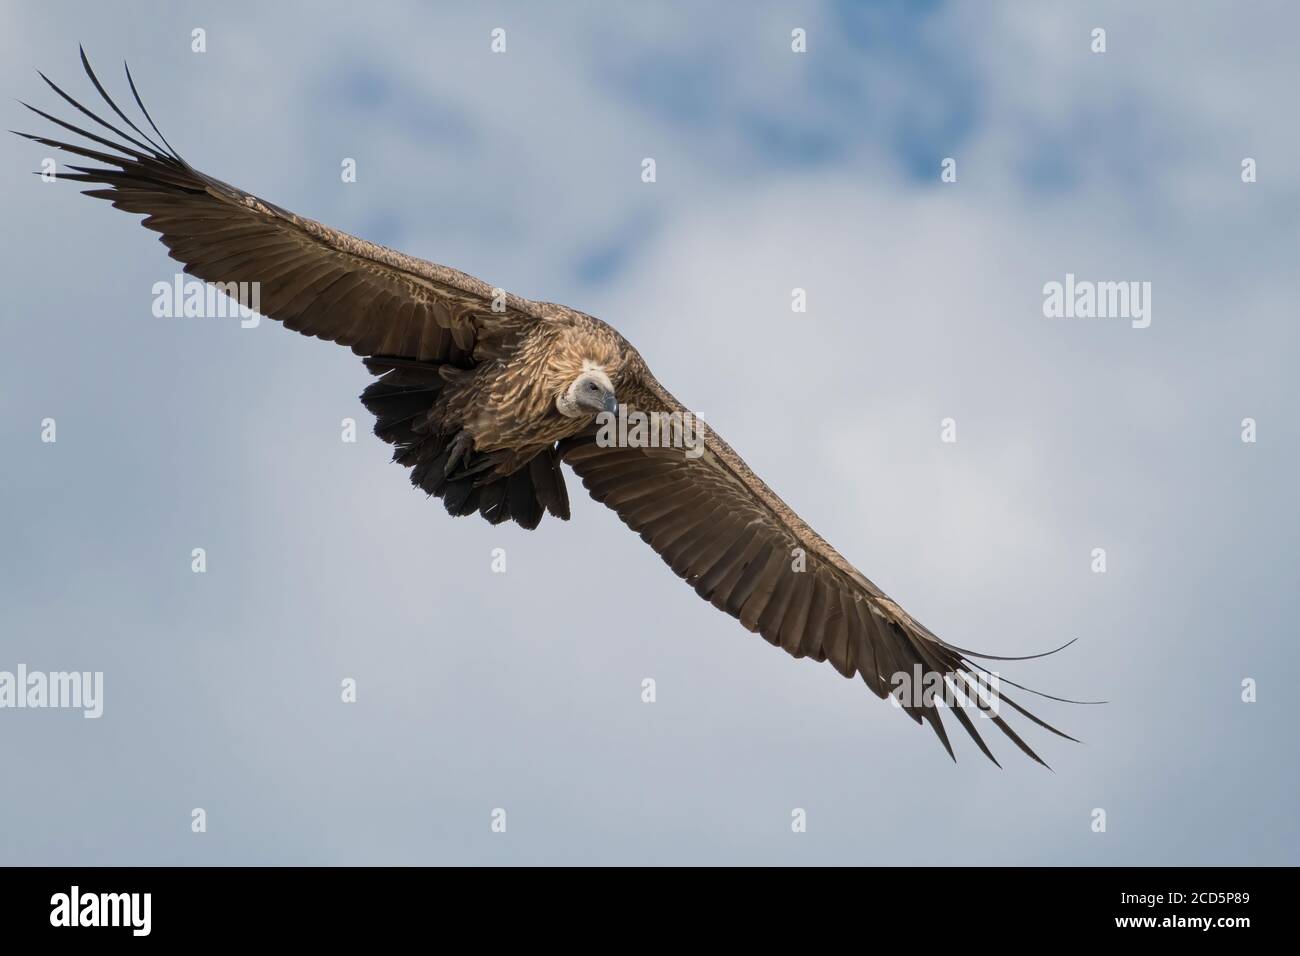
(611, 403)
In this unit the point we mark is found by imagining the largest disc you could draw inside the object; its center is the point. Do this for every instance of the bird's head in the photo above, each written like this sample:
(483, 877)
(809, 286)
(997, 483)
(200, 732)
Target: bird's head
(590, 393)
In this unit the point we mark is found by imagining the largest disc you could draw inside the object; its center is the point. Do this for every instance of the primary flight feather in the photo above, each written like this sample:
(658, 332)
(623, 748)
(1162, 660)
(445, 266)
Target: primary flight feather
(483, 394)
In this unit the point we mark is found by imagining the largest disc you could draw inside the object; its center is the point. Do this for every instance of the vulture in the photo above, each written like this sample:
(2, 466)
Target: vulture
(483, 395)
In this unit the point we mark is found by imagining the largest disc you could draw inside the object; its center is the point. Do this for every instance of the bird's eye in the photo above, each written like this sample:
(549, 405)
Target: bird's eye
(593, 386)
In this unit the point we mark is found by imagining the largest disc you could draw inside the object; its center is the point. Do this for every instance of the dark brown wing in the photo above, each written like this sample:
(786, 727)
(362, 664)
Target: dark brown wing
(724, 532)
(411, 318)
(314, 279)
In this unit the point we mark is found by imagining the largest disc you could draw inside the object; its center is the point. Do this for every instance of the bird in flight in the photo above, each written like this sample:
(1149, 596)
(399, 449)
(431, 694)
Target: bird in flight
(484, 394)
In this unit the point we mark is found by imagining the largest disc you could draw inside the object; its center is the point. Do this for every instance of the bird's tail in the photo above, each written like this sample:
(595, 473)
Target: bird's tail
(443, 463)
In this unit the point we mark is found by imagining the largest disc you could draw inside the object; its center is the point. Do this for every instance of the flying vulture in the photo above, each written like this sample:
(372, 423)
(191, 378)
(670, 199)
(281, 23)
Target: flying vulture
(484, 394)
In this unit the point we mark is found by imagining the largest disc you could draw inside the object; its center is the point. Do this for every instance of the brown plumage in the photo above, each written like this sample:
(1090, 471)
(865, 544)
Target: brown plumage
(484, 394)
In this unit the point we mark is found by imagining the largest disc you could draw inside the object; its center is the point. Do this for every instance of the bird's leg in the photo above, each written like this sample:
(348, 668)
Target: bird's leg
(461, 446)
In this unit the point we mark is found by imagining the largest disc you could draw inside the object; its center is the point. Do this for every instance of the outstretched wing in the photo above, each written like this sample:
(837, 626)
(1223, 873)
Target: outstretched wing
(409, 317)
(314, 279)
(724, 532)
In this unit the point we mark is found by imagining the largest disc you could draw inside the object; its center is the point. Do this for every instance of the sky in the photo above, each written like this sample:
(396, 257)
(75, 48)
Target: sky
(479, 692)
